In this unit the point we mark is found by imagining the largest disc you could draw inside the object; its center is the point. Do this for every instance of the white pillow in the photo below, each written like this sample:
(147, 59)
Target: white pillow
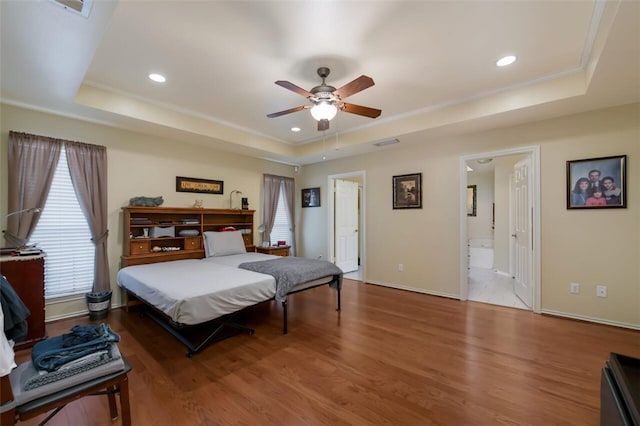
(223, 243)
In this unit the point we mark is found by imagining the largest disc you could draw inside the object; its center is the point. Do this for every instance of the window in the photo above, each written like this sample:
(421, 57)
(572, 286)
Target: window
(64, 235)
(281, 227)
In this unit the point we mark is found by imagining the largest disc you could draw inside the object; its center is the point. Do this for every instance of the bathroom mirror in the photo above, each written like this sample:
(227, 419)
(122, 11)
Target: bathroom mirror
(471, 200)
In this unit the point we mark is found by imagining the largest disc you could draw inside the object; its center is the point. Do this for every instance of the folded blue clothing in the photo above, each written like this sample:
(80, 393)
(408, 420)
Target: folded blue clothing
(51, 354)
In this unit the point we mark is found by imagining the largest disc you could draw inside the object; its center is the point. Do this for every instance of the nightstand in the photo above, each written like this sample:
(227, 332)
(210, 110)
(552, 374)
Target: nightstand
(278, 251)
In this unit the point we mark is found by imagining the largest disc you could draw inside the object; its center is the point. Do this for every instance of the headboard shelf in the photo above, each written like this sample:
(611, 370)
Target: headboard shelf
(178, 232)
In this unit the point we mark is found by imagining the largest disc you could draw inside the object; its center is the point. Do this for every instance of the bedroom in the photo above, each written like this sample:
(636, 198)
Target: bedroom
(394, 237)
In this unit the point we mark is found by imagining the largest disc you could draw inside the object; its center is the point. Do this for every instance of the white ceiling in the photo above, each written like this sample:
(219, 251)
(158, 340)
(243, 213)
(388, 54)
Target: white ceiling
(433, 63)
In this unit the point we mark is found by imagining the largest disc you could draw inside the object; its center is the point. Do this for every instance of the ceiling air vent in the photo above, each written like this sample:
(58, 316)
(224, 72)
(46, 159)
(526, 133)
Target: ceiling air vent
(387, 142)
(81, 7)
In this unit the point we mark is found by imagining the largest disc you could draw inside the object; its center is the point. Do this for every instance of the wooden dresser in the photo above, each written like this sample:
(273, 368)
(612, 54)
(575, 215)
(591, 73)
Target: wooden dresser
(26, 276)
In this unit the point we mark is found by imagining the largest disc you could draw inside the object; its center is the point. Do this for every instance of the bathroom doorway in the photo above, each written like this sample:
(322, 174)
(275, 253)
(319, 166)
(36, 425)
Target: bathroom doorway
(495, 265)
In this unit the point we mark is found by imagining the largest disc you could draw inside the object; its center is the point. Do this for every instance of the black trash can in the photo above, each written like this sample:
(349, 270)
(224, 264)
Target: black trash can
(99, 304)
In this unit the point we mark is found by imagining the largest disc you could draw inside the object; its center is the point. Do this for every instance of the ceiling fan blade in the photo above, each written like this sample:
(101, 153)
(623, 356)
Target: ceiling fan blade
(357, 85)
(323, 125)
(299, 90)
(361, 110)
(286, 111)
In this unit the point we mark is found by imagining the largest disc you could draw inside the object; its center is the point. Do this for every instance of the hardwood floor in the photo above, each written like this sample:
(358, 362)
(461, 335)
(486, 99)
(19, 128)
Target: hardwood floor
(390, 357)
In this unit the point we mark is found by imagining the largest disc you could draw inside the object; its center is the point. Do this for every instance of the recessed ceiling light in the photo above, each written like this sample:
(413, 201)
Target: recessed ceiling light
(507, 60)
(295, 129)
(158, 78)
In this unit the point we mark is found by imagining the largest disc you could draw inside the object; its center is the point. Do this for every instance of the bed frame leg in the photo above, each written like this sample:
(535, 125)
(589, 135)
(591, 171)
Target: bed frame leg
(284, 317)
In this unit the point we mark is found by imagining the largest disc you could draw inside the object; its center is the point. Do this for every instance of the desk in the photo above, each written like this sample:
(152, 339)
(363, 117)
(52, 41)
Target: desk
(26, 276)
(278, 251)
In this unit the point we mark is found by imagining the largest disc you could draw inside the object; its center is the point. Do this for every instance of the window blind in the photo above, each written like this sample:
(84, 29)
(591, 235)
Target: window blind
(281, 228)
(63, 234)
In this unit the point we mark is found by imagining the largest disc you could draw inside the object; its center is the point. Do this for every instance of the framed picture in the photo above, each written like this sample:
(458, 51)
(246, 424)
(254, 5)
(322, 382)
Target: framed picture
(597, 183)
(471, 200)
(202, 186)
(311, 197)
(407, 191)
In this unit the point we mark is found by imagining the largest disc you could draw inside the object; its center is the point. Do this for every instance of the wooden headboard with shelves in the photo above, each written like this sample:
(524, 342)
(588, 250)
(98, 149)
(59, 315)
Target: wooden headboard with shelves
(179, 232)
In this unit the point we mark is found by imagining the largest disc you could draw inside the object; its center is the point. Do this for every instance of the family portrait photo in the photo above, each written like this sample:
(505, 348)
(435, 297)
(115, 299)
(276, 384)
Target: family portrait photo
(596, 183)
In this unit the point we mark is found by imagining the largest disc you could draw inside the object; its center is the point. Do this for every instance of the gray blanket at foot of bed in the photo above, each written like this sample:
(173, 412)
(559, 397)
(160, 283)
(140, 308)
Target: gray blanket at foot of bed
(291, 271)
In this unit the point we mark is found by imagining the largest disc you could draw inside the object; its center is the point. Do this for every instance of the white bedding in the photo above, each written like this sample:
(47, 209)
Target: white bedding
(236, 259)
(195, 291)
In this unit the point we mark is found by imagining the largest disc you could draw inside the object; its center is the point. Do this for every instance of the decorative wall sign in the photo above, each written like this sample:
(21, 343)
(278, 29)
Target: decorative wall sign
(202, 186)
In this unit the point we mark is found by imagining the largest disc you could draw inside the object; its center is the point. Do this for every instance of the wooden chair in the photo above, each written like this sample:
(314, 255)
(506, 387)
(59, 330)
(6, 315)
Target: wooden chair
(67, 390)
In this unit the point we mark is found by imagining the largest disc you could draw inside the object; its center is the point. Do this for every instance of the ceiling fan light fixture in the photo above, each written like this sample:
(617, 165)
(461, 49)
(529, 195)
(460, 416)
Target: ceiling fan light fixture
(324, 110)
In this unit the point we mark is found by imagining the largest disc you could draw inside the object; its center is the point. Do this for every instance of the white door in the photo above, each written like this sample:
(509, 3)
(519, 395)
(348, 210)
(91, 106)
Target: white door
(522, 231)
(346, 225)
(512, 229)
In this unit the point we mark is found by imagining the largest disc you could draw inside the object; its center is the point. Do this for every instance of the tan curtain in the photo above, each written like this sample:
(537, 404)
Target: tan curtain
(289, 187)
(32, 161)
(88, 168)
(271, 190)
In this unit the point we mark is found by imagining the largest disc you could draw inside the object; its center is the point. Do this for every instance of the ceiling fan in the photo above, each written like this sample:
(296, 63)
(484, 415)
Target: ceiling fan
(327, 100)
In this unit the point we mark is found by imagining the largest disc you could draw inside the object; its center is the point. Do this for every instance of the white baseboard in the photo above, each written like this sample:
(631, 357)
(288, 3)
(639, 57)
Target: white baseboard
(67, 315)
(414, 289)
(499, 272)
(590, 319)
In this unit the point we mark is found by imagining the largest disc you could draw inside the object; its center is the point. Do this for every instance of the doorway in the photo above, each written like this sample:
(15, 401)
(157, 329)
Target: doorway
(513, 219)
(346, 223)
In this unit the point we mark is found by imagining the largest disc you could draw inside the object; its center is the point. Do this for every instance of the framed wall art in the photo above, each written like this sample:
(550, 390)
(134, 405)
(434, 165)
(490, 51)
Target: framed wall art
(407, 191)
(202, 186)
(311, 197)
(597, 183)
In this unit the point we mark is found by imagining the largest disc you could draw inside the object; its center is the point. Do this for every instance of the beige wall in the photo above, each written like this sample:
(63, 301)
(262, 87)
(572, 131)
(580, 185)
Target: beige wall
(141, 165)
(590, 247)
(424, 240)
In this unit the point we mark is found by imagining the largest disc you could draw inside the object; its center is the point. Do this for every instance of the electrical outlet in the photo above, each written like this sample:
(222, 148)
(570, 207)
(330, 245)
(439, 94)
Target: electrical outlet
(400, 267)
(601, 290)
(575, 288)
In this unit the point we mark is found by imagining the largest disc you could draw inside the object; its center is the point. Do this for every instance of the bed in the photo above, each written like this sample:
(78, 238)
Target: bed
(218, 287)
